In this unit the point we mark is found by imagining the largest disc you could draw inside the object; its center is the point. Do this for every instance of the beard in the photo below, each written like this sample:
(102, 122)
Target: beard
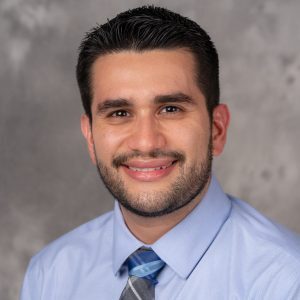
(189, 183)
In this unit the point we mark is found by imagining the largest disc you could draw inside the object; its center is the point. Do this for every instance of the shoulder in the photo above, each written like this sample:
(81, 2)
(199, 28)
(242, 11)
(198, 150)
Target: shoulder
(258, 228)
(57, 269)
(271, 252)
(81, 242)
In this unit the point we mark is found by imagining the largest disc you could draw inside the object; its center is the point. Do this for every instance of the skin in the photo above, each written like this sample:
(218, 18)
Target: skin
(143, 124)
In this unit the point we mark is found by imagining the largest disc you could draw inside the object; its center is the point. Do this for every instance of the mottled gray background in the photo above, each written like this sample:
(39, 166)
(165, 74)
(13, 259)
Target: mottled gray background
(48, 186)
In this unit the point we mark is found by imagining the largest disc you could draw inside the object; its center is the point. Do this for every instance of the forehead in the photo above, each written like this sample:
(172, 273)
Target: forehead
(132, 75)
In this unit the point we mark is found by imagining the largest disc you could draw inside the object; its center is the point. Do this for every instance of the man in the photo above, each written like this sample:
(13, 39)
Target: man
(153, 122)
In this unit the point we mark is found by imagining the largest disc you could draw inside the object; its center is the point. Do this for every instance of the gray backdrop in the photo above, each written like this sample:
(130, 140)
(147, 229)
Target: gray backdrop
(48, 186)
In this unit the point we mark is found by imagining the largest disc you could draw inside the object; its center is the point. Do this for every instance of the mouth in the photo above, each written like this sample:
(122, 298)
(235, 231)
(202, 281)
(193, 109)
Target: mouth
(163, 167)
(149, 170)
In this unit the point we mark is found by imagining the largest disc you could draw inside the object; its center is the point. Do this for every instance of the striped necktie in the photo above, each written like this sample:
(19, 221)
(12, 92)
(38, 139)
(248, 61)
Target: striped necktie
(143, 267)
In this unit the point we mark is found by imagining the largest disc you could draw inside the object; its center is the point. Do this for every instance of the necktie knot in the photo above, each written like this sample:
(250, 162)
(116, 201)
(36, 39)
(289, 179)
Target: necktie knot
(145, 263)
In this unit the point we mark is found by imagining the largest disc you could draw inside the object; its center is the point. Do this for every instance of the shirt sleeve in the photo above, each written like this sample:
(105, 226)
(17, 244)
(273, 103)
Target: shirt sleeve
(32, 284)
(295, 291)
(284, 284)
(284, 291)
(287, 284)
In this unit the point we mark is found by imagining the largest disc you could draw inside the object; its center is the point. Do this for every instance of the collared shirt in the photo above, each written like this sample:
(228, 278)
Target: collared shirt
(224, 249)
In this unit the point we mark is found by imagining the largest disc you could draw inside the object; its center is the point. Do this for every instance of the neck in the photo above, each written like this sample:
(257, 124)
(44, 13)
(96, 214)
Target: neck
(150, 229)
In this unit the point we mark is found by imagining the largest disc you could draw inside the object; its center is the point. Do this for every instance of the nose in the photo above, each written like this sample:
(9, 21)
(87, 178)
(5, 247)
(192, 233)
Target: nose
(146, 135)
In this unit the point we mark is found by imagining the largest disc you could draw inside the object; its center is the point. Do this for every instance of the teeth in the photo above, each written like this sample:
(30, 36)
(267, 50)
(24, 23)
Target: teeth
(149, 169)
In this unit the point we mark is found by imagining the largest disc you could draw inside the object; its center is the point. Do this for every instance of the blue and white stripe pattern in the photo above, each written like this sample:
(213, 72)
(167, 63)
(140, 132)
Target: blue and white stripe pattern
(145, 263)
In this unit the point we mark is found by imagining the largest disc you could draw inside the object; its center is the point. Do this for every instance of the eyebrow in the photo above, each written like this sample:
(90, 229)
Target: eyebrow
(159, 99)
(174, 98)
(112, 103)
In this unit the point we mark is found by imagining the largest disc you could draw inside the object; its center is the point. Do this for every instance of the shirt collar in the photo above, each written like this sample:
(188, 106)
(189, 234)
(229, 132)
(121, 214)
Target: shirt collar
(124, 242)
(191, 237)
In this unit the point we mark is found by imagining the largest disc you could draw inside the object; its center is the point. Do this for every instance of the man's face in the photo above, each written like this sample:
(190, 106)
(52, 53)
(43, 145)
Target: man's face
(151, 134)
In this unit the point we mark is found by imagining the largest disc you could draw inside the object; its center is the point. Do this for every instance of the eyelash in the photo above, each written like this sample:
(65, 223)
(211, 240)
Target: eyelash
(172, 107)
(115, 113)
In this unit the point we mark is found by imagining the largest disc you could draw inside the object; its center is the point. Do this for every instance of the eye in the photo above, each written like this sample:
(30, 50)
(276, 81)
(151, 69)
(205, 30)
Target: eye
(119, 113)
(170, 109)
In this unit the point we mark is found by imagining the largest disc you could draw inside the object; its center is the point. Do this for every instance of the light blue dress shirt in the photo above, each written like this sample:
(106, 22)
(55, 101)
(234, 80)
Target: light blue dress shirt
(224, 249)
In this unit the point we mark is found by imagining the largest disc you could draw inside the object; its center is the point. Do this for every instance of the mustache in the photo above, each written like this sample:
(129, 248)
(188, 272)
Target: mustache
(121, 159)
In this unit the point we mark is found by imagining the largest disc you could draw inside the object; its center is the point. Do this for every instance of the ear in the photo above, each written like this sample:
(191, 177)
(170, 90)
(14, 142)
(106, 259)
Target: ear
(88, 135)
(220, 123)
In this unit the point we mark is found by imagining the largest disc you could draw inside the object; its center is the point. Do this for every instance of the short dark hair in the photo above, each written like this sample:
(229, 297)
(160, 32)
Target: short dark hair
(149, 28)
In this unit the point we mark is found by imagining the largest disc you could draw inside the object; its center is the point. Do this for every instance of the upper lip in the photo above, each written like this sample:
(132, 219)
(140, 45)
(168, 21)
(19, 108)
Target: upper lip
(154, 163)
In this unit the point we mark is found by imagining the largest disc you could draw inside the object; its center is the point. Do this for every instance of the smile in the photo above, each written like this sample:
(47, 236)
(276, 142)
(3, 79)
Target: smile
(150, 169)
(147, 171)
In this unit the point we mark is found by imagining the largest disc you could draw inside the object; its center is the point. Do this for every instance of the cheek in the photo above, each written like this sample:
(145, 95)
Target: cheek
(193, 140)
(107, 142)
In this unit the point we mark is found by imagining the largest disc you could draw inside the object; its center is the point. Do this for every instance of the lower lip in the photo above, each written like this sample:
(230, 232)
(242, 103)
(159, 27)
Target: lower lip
(148, 176)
